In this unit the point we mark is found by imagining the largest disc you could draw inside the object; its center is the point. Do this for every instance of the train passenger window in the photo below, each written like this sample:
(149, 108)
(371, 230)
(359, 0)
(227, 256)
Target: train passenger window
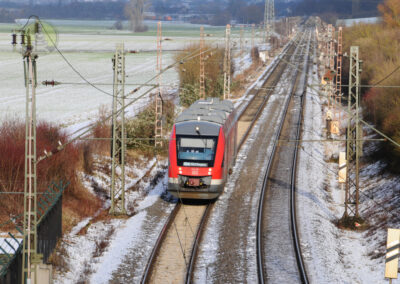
(196, 151)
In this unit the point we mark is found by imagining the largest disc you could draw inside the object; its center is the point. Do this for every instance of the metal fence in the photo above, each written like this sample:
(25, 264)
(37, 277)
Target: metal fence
(49, 231)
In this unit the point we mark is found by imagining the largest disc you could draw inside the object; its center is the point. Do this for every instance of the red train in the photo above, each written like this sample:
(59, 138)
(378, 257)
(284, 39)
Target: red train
(202, 149)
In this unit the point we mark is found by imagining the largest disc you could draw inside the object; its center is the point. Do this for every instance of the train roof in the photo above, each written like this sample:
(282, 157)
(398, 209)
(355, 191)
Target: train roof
(210, 110)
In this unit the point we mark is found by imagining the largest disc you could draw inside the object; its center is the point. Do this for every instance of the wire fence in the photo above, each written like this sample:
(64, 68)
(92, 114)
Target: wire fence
(49, 230)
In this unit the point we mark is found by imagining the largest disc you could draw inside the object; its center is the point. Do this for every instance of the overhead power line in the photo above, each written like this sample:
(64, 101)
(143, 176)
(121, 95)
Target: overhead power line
(345, 110)
(386, 77)
(188, 57)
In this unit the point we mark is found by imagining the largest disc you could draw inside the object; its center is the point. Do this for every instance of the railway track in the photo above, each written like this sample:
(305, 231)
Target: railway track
(173, 256)
(251, 112)
(279, 257)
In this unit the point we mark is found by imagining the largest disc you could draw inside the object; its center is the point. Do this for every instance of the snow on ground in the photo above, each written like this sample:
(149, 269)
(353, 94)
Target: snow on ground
(9, 245)
(128, 233)
(89, 50)
(241, 63)
(209, 247)
(74, 102)
(333, 255)
(105, 242)
(352, 22)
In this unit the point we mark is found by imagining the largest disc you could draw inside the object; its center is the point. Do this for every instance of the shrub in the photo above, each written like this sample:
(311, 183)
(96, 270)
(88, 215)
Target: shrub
(140, 130)
(60, 166)
(390, 11)
(189, 73)
(102, 129)
(255, 55)
(189, 94)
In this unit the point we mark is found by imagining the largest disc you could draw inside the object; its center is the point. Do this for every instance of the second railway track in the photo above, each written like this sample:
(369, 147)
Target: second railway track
(279, 256)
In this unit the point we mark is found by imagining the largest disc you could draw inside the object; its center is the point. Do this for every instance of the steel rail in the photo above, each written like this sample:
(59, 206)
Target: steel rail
(190, 268)
(260, 247)
(267, 96)
(193, 255)
(293, 219)
(189, 272)
(149, 266)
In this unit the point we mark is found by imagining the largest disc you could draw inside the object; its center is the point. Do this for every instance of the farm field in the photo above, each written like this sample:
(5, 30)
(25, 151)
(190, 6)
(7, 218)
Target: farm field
(89, 46)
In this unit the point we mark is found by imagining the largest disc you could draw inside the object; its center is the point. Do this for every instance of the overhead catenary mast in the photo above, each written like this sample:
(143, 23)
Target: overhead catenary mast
(252, 36)
(202, 75)
(241, 39)
(159, 100)
(227, 63)
(269, 20)
(354, 136)
(30, 257)
(118, 134)
(339, 58)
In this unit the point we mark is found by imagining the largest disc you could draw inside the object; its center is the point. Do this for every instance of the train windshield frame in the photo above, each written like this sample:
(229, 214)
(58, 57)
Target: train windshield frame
(196, 151)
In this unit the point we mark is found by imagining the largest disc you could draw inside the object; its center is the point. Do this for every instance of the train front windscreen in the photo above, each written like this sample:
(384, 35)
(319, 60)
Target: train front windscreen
(195, 151)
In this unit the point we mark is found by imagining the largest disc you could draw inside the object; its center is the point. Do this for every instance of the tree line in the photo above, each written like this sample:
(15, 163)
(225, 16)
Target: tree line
(380, 51)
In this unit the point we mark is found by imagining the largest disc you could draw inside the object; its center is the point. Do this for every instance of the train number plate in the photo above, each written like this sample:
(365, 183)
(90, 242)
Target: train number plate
(194, 182)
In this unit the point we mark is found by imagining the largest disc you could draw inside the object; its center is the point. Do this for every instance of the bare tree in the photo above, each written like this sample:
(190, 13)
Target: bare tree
(134, 9)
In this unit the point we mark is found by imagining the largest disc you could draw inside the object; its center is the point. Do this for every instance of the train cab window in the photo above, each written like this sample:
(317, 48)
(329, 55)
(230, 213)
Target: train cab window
(195, 151)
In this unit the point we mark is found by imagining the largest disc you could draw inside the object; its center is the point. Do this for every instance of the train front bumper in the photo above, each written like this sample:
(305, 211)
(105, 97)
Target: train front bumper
(211, 191)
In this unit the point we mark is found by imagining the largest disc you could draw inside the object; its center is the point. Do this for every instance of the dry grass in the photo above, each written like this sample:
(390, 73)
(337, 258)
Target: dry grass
(77, 201)
(102, 130)
(103, 243)
(243, 79)
(57, 258)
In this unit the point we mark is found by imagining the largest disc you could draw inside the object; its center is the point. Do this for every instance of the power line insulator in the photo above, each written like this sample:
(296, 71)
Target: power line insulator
(14, 39)
(23, 38)
(29, 45)
(50, 83)
(36, 27)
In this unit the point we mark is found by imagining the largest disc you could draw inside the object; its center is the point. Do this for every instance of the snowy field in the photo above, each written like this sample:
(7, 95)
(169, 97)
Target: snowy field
(89, 46)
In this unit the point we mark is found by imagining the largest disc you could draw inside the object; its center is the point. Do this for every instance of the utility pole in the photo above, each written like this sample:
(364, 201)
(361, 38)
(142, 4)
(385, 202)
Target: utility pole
(269, 20)
(159, 101)
(328, 63)
(327, 57)
(331, 62)
(227, 63)
(252, 36)
(332, 49)
(202, 76)
(354, 136)
(287, 27)
(118, 134)
(272, 16)
(30, 257)
(338, 88)
(241, 39)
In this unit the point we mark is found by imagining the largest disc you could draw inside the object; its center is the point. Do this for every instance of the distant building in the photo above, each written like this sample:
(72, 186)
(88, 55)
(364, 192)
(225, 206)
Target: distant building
(351, 22)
